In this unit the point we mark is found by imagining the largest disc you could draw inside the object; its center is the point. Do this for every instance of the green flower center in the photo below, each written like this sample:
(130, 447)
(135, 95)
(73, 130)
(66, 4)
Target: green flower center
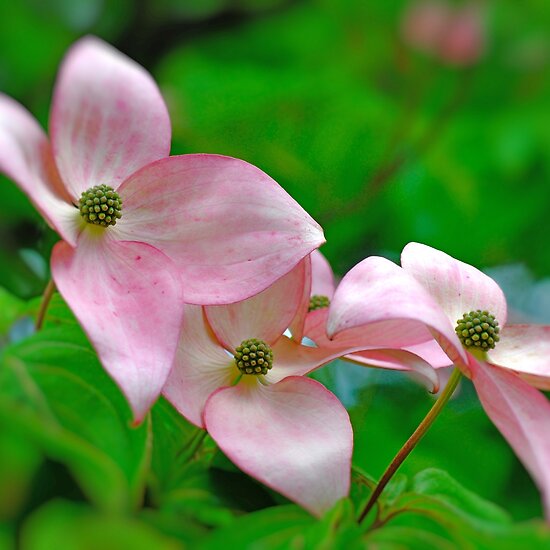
(318, 302)
(100, 205)
(478, 329)
(254, 356)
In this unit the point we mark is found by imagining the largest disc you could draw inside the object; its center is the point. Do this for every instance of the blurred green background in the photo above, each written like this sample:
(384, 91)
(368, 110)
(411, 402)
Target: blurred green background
(383, 140)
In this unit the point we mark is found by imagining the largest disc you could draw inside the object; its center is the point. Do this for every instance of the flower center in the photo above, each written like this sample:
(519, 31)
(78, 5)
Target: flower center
(100, 205)
(254, 356)
(318, 302)
(478, 329)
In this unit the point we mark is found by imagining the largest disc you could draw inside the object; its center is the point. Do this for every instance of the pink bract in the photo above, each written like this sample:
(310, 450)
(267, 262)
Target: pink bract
(185, 232)
(374, 350)
(431, 292)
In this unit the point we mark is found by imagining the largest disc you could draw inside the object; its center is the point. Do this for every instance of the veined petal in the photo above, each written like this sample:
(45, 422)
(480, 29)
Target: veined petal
(522, 414)
(397, 359)
(432, 353)
(298, 323)
(294, 436)
(394, 359)
(127, 296)
(456, 286)
(526, 350)
(230, 228)
(315, 326)
(322, 276)
(26, 157)
(292, 359)
(108, 118)
(380, 305)
(201, 367)
(264, 316)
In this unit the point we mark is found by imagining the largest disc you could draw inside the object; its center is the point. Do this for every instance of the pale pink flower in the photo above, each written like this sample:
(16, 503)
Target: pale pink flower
(215, 227)
(463, 42)
(423, 300)
(284, 429)
(455, 35)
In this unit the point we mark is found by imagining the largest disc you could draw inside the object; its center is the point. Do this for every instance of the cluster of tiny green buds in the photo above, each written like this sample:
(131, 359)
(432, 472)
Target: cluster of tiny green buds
(100, 205)
(478, 329)
(318, 302)
(254, 356)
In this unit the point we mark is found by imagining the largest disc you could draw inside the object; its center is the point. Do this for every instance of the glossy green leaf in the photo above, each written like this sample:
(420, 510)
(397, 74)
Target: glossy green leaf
(54, 390)
(270, 529)
(71, 526)
(439, 506)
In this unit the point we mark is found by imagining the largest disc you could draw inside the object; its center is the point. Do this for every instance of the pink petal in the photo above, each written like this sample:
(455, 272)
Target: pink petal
(294, 437)
(265, 316)
(298, 323)
(127, 298)
(384, 358)
(432, 353)
(25, 156)
(522, 414)
(201, 367)
(322, 276)
(395, 359)
(379, 305)
(526, 350)
(315, 327)
(293, 359)
(457, 287)
(231, 229)
(108, 118)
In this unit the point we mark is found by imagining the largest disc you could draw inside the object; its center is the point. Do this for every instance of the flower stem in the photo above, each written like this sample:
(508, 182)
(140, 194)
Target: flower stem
(46, 298)
(410, 444)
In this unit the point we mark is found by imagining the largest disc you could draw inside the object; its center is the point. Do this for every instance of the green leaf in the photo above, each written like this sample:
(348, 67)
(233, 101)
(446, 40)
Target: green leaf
(19, 460)
(337, 529)
(171, 434)
(7, 537)
(439, 484)
(407, 538)
(438, 505)
(62, 524)
(54, 390)
(269, 529)
(10, 308)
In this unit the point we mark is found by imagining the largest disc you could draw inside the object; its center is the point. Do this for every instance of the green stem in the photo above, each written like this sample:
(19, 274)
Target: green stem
(411, 443)
(46, 298)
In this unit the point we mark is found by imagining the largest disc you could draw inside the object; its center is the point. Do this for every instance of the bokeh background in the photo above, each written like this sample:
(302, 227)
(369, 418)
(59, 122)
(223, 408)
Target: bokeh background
(389, 121)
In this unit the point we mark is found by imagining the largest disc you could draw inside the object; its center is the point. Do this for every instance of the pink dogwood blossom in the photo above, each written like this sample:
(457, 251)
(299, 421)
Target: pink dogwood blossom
(434, 296)
(282, 428)
(141, 230)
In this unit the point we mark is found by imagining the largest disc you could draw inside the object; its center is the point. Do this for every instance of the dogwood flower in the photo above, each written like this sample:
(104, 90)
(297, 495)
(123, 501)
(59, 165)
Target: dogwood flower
(436, 296)
(140, 227)
(284, 429)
